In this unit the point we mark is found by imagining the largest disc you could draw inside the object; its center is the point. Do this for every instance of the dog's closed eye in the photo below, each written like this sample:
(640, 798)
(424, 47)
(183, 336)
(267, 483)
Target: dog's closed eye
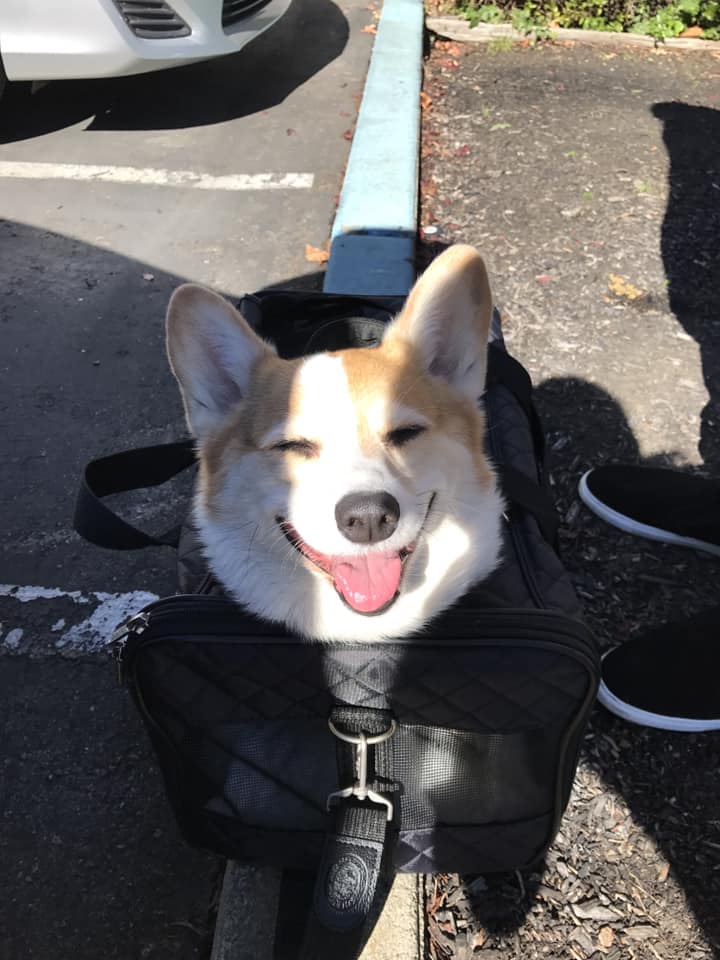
(301, 446)
(402, 435)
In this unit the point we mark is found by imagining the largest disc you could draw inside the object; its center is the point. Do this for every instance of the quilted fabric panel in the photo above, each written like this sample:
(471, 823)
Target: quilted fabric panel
(484, 688)
(491, 848)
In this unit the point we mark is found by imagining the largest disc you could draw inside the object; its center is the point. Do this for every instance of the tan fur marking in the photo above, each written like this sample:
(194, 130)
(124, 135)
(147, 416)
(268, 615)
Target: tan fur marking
(393, 374)
(269, 401)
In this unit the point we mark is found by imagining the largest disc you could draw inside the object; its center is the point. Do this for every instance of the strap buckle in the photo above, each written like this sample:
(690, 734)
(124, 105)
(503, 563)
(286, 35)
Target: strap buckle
(360, 789)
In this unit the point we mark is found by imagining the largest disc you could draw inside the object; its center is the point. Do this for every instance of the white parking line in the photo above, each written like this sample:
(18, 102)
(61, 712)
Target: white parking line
(154, 177)
(91, 632)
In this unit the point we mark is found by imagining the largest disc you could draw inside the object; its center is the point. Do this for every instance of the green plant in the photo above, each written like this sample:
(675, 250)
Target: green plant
(487, 13)
(662, 25)
(527, 21)
(661, 19)
(597, 23)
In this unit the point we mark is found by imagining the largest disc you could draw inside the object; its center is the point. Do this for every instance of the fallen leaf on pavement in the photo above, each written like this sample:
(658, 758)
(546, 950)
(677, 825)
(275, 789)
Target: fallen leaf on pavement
(369, 28)
(623, 288)
(606, 937)
(316, 254)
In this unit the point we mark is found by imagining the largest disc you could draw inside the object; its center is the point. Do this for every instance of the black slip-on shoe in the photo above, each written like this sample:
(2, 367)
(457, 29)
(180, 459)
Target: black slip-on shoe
(659, 504)
(667, 678)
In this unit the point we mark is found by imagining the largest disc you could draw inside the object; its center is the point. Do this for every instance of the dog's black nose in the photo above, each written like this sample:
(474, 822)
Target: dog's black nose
(367, 517)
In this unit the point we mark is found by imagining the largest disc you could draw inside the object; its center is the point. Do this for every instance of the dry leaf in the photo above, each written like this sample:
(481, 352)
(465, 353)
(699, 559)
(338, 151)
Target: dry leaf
(316, 254)
(692, 32)
(606, 937)
(663, 873)
(592, 910)
(425, 100)
(623, 288)
(369, 28)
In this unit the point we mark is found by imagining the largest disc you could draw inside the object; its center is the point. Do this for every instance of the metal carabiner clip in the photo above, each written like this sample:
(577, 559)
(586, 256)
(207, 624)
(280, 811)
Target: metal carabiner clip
(360, 789)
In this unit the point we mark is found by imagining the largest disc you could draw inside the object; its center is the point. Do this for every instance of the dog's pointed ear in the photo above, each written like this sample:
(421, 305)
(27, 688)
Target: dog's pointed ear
(212, 352)
(447, 319)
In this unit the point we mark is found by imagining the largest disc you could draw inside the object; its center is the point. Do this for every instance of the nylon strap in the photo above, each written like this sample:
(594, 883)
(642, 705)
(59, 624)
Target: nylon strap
(504, 370)
(118, 473)
(355, 854)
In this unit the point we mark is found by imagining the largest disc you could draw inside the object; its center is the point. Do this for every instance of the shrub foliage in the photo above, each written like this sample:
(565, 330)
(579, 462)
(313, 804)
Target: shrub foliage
(658, 18)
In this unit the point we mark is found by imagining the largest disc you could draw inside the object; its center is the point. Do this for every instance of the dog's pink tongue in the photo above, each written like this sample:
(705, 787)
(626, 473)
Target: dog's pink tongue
(367, 583)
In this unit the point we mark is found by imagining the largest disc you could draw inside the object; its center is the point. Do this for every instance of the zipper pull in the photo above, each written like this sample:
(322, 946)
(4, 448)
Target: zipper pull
(134, 627)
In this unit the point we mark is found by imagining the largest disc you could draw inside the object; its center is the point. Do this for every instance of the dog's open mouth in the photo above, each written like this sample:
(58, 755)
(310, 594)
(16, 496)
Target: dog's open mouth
(368, 584)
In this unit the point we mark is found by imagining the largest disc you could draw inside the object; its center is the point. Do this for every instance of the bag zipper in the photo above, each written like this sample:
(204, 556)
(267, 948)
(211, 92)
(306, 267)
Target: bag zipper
(219, 619)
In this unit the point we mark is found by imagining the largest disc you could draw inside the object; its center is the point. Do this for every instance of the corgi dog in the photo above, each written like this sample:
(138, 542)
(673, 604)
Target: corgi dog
(346, 495)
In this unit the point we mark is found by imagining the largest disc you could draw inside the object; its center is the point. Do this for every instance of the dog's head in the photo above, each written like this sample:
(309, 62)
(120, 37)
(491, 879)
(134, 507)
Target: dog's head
(345, 494)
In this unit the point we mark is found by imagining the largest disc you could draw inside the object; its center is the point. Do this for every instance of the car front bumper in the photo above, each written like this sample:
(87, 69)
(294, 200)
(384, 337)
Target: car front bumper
(56, 40)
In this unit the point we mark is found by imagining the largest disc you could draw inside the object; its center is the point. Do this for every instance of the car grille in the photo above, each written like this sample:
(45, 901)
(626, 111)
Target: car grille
(234, 10)
(152, 19)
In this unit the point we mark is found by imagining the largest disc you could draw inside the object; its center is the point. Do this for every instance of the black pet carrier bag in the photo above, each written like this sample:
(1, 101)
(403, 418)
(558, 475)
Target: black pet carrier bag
(453, 750)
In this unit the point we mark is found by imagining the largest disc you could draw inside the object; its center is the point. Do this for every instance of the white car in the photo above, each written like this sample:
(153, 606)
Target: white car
(74, 39)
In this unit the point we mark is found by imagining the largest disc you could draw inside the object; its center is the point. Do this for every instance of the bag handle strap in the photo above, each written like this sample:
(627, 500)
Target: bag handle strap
(521, 491)
(119, 473)
(506, 371)
(357, 848)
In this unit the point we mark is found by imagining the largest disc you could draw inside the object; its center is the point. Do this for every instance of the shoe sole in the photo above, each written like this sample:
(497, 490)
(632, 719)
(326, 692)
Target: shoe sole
(619, 520)
(645, 718)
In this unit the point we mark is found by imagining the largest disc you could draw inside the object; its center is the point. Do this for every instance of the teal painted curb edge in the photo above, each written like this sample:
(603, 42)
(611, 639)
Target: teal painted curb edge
(379, 194)
(367, 264)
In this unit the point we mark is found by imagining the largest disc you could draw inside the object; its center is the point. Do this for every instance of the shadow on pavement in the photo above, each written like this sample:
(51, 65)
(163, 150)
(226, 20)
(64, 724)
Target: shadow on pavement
(690, 244)
(310, 36)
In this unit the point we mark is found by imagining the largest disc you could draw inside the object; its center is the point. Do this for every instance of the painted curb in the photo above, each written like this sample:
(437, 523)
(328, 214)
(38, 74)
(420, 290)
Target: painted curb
(455, 28)
(371, 265)
(379, 195)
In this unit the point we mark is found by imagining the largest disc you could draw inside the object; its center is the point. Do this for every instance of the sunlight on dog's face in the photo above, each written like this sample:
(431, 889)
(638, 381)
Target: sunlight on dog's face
(346, 494)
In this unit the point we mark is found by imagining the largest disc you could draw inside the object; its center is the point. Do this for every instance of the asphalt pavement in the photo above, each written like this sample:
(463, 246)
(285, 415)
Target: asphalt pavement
(219, 173)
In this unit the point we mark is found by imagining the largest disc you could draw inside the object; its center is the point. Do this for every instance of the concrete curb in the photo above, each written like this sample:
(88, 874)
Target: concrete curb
(248, 910)
(455, 28)
(379, 195)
